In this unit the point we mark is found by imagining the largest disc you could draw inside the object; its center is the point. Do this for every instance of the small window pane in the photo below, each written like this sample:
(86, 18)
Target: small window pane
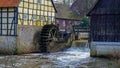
(11, 14)
(11, 9)
(12, 32)
(0, 14)
(0, 32)
(4, 20)
(4, 14)
(39, 1)
(30, 11)
(34, 18)
(57, 21)
(25, 16)
(5, 9)
(63, 23)
(4, 26)
(49, 19)
(10, 20)
(42, 18)
(13, 26)
(9, 26)
(0, 28)
(4, 32)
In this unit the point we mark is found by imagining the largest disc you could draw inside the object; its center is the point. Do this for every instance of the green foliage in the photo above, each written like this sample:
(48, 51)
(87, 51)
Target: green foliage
(85, 23)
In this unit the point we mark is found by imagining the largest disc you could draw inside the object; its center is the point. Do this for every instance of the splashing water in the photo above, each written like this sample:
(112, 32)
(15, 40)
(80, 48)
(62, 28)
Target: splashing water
(74, 57)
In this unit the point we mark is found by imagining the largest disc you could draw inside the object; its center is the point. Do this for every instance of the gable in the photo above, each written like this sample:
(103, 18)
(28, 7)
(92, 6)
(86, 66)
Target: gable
(106, 7)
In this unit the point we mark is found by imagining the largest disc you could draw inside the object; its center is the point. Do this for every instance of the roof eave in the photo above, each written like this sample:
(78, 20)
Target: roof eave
(7, 6)
(92, 9)
(54, 6)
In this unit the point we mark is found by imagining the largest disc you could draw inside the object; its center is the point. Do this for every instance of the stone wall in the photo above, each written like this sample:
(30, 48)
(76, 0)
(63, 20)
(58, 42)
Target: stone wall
(7, 44)
(27, 40)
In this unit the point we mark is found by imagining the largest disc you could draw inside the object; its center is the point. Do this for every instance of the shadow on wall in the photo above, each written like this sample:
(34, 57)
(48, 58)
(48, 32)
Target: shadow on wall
(36, 41)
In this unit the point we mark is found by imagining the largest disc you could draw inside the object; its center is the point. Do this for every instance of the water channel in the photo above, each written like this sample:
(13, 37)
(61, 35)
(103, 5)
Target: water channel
(75, 57)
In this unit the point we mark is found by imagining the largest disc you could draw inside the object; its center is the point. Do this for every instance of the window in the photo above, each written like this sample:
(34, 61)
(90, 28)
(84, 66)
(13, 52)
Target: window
(57, 21)
(49, 19)
(25, 16)
(42, 18)
(63, 23)
(11, 14)
(8, 23)
(34, 17)
(4, 14)
(39, 1)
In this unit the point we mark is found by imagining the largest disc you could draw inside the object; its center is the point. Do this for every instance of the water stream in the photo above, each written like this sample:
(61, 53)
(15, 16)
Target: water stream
(74, 57)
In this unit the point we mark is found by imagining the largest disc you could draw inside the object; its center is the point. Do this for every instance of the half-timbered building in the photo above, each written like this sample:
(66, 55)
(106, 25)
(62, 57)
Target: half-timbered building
(20, 20)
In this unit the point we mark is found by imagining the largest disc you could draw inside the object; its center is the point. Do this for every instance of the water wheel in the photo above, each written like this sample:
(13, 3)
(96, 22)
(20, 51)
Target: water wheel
(48, 38)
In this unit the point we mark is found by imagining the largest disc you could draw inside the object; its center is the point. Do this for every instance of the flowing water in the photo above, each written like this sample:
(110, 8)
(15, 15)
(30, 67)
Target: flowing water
(74, 57)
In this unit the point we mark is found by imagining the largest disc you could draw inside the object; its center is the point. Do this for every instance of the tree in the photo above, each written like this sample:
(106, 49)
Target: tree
(85, 23)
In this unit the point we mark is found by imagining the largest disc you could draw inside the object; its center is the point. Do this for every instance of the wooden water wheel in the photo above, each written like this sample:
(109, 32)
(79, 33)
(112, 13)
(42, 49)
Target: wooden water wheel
(48, 37)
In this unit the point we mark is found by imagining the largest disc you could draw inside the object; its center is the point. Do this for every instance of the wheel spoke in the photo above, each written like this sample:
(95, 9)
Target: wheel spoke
(52, 34)
(51, 37)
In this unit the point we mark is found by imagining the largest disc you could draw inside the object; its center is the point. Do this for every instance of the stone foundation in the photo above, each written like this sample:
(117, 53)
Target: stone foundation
(26, 39)
(24, 42)
(104, 49)
(7, 44)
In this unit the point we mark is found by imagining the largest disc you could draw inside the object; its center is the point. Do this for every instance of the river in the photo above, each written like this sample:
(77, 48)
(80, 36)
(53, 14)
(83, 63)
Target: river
(74, 57)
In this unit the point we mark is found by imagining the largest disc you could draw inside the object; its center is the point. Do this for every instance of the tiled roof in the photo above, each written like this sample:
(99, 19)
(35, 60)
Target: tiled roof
(106, 7)
(9, 3)
(14, 3)
(82, 7)
(64, 12)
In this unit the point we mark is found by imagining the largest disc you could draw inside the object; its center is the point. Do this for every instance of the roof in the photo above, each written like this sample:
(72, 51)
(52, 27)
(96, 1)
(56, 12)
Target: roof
(14, 3)
(9, 3)
(64, 12)
(106, 7)
(82, 7)
(54, 5)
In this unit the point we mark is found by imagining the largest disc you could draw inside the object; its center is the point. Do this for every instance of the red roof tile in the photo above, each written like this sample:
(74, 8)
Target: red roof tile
(9, 3)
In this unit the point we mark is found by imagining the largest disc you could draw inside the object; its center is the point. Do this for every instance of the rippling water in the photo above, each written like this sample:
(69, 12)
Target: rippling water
(74, 57)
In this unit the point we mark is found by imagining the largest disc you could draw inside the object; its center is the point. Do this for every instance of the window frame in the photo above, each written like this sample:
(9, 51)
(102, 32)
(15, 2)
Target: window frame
(11, 27)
